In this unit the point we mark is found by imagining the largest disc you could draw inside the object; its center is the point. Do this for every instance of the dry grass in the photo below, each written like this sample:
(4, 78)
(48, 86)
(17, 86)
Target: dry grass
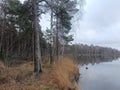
(64, 75)
(15, 78)
(61, 76)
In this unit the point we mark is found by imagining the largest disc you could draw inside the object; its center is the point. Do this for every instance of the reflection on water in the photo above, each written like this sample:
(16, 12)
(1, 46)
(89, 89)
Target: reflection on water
(100, 76)
(94, 59)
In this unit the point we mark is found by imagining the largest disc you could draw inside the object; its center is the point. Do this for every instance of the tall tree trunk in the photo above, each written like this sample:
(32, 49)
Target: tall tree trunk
(1, 39)
(52, 40)
(37, 52)
(3, 48)
(57, 42)
(63, 48)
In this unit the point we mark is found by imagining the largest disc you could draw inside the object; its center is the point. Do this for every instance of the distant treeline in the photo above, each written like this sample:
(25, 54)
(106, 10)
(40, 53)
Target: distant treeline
(86, 50)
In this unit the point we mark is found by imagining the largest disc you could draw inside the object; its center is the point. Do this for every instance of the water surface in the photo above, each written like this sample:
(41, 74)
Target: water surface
(100, 76)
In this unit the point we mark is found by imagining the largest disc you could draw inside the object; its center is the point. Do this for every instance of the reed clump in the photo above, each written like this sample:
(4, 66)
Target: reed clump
(64, 75)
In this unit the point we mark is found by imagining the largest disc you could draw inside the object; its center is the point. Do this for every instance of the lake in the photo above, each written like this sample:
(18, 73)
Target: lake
(100, 76)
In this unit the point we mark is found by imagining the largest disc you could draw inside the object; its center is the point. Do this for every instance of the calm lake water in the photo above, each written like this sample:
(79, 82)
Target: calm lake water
(100, 76)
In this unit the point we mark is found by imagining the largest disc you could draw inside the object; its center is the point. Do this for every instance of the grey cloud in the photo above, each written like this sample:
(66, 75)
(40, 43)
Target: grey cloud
(101, 21)
(103, 13)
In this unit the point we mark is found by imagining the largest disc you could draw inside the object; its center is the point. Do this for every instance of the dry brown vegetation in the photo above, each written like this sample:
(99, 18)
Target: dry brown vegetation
(63, 75)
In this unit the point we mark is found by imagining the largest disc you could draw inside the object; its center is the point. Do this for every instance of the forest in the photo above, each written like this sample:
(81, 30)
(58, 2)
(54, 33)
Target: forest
(23, 40)
(91, 50)
(85, 54)
(21, 34)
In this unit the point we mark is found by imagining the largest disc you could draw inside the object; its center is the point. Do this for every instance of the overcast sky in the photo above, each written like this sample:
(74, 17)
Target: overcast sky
(100, 24)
